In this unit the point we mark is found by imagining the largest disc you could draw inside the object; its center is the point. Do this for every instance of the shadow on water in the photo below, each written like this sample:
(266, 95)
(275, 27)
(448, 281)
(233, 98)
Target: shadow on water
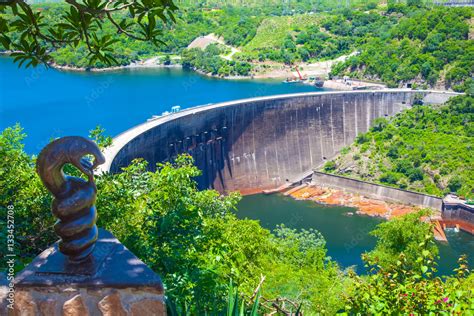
(347, 236)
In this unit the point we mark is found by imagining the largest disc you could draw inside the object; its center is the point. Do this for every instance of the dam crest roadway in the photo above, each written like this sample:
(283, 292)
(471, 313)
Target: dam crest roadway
(262, 143)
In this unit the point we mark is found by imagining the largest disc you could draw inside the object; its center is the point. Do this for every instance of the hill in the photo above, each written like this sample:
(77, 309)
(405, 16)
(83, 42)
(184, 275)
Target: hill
(273, 31)
(398, 44)
(426, 47)
(426, 149)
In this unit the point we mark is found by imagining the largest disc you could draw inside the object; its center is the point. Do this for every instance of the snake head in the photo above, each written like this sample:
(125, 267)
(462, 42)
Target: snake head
(81, 160)
(70, 149)
(86, 166)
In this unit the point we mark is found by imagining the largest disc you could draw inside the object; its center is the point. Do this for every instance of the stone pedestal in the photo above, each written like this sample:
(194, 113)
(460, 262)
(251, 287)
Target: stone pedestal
(113, 282)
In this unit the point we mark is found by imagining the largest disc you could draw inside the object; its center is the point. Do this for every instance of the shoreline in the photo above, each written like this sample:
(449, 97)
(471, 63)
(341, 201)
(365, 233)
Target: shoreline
(148, 63)
(282, 74)
(145, 64)
(364, 205)
(315, 69)
(318, 69)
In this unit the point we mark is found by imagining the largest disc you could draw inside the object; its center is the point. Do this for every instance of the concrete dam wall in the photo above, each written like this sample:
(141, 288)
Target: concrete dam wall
(261, 143)
(377, 191)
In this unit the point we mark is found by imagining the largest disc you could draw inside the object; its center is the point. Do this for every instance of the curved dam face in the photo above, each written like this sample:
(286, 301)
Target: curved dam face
(262, 143)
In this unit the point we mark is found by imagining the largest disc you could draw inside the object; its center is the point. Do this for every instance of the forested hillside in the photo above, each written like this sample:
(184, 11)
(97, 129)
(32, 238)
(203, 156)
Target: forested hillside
(396, 43)
(426, 149)
(430, 46)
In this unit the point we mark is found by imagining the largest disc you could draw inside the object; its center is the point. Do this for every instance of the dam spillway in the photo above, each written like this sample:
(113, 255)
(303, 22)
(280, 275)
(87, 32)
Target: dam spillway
(261, 143)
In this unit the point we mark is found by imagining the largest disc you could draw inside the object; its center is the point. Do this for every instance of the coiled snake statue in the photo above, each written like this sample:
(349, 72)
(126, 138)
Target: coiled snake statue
(74, 197)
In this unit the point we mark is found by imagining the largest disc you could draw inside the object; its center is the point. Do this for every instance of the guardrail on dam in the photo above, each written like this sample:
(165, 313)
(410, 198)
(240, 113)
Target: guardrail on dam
(261, 143)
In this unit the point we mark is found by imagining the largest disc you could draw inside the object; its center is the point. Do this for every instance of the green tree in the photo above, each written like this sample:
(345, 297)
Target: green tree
(405, 287)
(81, 23)
(455, 183)
(97, 134)
(22, 189)
(402, 235)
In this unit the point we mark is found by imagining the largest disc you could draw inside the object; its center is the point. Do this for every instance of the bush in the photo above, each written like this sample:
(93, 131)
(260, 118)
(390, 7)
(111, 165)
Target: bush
(330, 166)
(362, 138)
(389, 178)
(402, 275)
(393, 152)
(454, 184)
(401, 235)
(415, 174)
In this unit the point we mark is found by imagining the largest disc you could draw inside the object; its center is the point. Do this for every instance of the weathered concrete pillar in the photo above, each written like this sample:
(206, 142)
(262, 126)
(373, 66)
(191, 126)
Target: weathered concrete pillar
(118, 284)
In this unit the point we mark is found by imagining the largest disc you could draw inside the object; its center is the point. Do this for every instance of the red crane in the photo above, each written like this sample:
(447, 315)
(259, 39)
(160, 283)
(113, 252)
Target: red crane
(299, 75)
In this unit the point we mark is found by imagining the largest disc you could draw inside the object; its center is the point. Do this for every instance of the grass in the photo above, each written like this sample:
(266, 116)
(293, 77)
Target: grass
(272, 31)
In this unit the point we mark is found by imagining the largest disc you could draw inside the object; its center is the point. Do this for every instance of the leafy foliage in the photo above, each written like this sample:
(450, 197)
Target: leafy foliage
(412, 288)
(31, 36)
(209, 61)
(22, 188)
(191, 238)
(426, 46)
(195, 242)
(97, 134)
(402, 235)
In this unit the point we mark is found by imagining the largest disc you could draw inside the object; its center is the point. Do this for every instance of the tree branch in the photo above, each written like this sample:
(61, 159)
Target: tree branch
(121, 30)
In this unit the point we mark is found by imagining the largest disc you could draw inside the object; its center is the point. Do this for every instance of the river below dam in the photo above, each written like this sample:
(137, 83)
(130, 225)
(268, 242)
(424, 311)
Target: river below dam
(50, 103)
(347, 236)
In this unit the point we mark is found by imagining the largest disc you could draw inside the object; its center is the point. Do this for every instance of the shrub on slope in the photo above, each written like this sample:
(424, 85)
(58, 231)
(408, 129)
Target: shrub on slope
(425, 148)
(428, 46)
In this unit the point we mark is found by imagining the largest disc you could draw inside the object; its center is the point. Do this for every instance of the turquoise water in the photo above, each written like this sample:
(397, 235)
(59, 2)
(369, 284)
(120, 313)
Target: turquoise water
(347, 237)
(49, 103)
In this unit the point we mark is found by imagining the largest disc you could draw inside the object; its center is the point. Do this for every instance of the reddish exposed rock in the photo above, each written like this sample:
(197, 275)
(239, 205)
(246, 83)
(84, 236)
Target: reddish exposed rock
(75, 307)
(373, 208)
(149, 307)
(24, 304)
(111, 305)
(366, 206)
(400, 210)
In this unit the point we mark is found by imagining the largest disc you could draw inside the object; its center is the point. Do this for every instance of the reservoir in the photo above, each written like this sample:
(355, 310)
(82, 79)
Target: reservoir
(49, 104)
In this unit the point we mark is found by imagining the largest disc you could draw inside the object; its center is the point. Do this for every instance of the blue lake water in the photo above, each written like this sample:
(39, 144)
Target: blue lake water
(49, 103)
